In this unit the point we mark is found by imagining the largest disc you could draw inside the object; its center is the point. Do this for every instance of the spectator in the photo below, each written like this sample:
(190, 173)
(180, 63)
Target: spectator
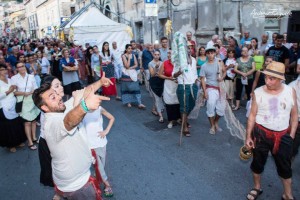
(245, 38)
(164, 49)
(192, 42)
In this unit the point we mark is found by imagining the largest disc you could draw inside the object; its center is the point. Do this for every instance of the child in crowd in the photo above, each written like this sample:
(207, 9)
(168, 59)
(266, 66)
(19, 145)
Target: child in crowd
(259, 79)
(96, 136)
(230, 63)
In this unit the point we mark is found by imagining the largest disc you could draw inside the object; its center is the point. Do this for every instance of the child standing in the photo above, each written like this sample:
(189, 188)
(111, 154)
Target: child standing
(97, 142)
(230, 63)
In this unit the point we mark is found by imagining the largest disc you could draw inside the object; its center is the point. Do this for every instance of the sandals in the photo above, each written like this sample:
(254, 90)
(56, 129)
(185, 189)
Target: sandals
(35, 141)
(212, 131)
(186, 133)
(254, 194)
(118, 99)
(236, 108)
(108, 192)
(282, 198)
(154, 112)
(161, 120)
(13, 150)
(32, 147)
(129, 105)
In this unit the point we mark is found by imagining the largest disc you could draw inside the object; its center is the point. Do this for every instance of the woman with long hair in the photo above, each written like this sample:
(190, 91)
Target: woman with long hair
(109, 69)
(26, 84)
(169, 93)
(12, 132)
(201, 59)
(88, 56)
(130, 88)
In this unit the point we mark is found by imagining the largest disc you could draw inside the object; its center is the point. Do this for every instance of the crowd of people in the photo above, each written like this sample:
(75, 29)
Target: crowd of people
(58, 83)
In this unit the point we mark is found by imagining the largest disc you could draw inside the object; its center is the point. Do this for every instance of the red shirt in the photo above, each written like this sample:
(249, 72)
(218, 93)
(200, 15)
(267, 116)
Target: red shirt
(168, 68)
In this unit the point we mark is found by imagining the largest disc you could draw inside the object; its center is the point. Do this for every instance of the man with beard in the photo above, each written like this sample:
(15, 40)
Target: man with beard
(271, 127)
(187, 90)
(65, 136)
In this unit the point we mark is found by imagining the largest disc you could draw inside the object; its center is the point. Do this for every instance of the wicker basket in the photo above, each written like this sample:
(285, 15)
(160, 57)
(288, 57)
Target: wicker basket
(245, 153)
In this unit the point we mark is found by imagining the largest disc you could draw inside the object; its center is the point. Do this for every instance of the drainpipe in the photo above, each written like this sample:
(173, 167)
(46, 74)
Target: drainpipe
(221, 19)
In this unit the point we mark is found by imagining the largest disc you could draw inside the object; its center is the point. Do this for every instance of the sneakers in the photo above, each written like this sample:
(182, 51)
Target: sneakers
(170, 125)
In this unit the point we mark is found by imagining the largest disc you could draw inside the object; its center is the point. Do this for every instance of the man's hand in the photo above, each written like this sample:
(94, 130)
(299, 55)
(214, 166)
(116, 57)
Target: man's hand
(249, 143)
(220, 79)
(205, 95)
(92, 100)
(77, 95)
(105, 81)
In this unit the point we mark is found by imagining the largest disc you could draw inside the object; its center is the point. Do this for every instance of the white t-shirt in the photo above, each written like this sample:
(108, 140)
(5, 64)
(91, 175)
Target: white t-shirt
(117, 56)
(273, 111)
(93, 122)
(189, 74)
(296, 85)
(7, 102)
(20, 82)
(71, 155)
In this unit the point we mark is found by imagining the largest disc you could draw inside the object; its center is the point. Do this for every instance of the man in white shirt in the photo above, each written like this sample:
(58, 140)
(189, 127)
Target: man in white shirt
(296, 85)
(65, 136)
(117, 60)
(271, 127)
(187, 90)
(213, 41)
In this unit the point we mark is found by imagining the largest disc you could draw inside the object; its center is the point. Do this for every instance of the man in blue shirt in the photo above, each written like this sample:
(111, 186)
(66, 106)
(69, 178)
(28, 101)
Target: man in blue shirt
(147, 57)
(13, 58)
(245, 38)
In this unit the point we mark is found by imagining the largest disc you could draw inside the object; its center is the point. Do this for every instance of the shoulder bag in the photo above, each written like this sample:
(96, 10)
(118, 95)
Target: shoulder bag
(19, 105)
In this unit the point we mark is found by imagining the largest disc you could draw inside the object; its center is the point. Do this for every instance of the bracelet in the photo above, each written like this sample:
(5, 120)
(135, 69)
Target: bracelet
(83, 106)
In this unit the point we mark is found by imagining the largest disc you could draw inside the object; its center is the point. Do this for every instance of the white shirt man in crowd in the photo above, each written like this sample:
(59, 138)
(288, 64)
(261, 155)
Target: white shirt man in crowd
(213, 41)
(164, 49)
(263, 44)
(118, 63)
(66, 139)
(271, 127)
(186, 77)
(296, 86)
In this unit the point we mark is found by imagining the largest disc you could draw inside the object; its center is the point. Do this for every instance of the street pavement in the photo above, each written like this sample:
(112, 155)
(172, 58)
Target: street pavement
(145, 162)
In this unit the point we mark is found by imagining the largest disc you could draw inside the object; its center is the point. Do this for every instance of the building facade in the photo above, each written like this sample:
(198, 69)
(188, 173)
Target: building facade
(203, 18)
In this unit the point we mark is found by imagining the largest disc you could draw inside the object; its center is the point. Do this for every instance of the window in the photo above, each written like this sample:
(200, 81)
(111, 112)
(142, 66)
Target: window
(72, 10)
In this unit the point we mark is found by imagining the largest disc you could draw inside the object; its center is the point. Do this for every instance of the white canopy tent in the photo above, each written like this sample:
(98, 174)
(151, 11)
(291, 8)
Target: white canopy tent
(90, 25)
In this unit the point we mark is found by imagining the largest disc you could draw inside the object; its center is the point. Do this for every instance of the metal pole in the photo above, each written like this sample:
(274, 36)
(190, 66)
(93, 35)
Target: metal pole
(151, 30)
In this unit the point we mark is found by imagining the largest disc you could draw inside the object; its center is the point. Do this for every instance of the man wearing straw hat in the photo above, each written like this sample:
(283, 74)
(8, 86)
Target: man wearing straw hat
(272, 124)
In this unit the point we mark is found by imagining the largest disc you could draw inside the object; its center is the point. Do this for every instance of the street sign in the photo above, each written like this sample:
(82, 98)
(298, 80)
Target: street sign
(150, 1)
(151, 8)
(7, 30)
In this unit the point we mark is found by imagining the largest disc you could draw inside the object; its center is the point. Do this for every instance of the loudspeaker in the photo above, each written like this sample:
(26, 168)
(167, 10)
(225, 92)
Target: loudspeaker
(293, 32)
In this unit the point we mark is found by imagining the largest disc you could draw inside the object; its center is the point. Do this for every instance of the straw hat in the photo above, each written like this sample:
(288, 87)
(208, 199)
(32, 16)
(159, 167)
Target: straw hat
(245, 153)
(275, 69)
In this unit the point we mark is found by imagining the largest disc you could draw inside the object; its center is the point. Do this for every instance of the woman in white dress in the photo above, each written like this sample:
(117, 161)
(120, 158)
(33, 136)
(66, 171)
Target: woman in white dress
(26, 84)
(12, 130)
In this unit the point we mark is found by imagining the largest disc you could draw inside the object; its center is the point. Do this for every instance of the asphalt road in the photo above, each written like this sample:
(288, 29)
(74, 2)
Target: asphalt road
(145, 162)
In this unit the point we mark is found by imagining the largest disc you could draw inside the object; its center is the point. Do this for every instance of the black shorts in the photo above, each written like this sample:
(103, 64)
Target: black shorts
(68, 89)
(282, 157)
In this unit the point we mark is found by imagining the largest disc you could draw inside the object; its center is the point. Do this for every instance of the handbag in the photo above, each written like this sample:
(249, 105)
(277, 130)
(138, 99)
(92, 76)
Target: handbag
(19, 105)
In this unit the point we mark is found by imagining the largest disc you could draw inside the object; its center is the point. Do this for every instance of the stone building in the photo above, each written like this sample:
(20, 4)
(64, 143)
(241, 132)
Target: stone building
(44, 16)
(202, 17)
